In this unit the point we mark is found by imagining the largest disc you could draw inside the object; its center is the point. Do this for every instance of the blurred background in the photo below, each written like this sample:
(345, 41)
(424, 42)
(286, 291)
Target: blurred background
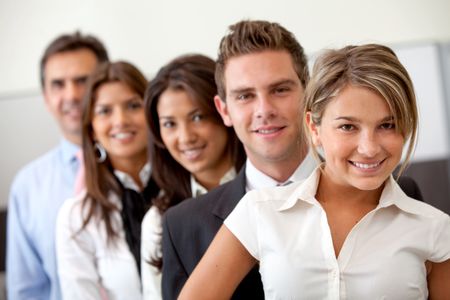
(149, 33)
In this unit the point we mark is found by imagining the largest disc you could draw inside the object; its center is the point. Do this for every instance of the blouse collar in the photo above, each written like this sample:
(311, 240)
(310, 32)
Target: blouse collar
(392, 195)
(128, 182)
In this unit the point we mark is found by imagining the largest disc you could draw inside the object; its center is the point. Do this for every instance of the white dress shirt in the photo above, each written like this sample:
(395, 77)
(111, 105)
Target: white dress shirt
(151, 241)
(383, 256)
(89, 265)
(255, 179)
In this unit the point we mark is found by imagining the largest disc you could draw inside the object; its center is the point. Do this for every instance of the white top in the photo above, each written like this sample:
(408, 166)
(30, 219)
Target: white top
(151, 235)
(89, 266)
(383, 256)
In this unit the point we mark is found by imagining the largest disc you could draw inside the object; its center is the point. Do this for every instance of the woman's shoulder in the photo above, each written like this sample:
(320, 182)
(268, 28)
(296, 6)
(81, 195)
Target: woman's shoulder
(72, 206)
(393, 193)
(422, 209)
(271, 199)
(152, 218)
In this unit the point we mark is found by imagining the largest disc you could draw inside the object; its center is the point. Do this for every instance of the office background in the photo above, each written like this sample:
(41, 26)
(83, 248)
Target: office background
(149, 33)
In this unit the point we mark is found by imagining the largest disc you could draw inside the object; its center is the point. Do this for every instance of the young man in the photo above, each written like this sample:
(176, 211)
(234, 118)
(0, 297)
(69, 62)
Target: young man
(261, 75)
(40, 188)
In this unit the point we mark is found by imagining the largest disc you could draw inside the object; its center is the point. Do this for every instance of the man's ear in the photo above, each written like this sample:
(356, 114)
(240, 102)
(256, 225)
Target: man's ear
(314, 129)
(222, 108)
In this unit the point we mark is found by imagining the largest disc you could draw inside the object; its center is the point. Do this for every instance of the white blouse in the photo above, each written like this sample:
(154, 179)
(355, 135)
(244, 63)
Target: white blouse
(90, 266)
(383, 256)
(151, 235)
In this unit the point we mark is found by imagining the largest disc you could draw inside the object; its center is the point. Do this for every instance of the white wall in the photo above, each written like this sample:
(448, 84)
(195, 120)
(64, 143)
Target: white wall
(423, 63)
(150, 33)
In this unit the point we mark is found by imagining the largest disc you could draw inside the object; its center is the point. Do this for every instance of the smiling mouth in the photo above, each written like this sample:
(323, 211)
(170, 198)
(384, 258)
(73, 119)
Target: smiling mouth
(193, 153)
(364, 166)
(123, 135)
(269, 130)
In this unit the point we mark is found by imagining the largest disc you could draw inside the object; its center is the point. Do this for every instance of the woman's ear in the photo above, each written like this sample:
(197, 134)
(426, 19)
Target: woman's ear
(314, 130)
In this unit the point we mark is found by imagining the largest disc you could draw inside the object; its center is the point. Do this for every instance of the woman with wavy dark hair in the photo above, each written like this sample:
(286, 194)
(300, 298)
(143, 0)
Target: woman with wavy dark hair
(98, 232)
(192, 150)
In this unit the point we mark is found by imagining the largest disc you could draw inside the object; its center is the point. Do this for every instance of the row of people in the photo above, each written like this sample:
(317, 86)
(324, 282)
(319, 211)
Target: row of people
(98, 231)
(359, 110)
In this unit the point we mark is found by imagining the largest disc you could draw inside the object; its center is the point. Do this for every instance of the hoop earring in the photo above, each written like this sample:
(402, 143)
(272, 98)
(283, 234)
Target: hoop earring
(101, 152)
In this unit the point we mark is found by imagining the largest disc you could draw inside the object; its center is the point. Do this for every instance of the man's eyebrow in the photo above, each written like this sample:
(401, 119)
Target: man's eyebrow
(289, 82)
(242, 90)
(56, 81)
(80, 78)
(76, 78)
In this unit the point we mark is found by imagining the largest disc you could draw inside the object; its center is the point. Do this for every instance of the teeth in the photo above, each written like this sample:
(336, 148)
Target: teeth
(122, 135)
(266, 131)
(366, 166)
(192, 152)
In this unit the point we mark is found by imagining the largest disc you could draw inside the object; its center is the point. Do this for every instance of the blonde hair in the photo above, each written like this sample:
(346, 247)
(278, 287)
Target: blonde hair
(371, 66)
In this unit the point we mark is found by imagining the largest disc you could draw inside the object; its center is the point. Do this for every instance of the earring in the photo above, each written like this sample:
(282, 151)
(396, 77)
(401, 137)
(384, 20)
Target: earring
(101, 152)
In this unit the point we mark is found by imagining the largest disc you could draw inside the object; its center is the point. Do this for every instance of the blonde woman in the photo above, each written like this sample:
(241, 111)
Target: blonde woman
(348, 231)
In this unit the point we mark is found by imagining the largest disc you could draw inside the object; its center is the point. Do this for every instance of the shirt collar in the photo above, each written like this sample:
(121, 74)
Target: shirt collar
(256, 179)
(305, 191)
(129, 183)
(68, 151)
(392, 194)
(197, 189)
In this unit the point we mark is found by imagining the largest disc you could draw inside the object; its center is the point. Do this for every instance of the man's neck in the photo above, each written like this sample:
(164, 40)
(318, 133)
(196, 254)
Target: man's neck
(281, 170)
(74, 139)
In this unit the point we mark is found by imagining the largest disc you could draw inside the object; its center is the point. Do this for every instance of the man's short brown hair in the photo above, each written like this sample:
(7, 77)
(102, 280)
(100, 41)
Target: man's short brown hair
(247, 37)
(72, 42)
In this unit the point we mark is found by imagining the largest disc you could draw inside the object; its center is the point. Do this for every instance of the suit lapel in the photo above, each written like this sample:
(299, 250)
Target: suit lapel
(229, 196)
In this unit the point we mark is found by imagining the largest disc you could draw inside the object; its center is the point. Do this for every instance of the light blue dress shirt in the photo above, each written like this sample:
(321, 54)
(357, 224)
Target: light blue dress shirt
(36, 195)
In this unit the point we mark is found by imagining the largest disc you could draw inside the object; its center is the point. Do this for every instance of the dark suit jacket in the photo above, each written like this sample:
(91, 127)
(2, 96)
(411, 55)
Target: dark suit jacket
(189, 228)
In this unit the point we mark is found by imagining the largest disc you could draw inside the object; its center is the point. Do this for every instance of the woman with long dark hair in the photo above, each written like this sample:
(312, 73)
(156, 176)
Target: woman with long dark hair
(98, 232)
(192, 150)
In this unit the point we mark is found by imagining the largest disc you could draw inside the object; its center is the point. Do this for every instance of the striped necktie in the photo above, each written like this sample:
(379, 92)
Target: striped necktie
(284, 183)
(80, 181)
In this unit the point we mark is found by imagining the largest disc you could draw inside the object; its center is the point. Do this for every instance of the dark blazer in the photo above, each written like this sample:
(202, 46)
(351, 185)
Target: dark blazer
(189, 228)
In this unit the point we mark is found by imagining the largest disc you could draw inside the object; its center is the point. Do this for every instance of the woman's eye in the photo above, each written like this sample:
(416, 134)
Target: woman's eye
(281, 90)
(197, 117)
(135, 105)
(347, 127)
(168, 124)
(387, 126)
(102, 110)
